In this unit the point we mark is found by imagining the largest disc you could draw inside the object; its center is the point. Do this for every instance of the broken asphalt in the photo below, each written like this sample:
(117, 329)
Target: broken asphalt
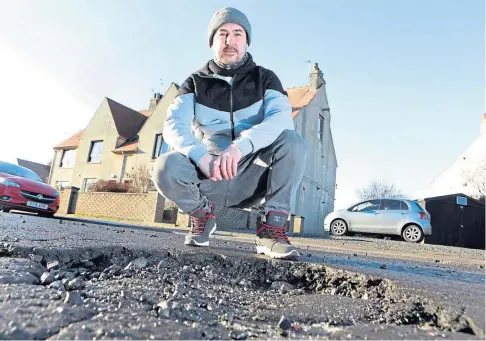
(75, 280)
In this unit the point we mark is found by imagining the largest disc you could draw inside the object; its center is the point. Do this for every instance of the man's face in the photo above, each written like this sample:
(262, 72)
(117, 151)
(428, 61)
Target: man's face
(229, 43)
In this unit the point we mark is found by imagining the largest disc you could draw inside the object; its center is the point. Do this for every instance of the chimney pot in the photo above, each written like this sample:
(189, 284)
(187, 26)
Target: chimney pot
(154, 101)
(316, 78)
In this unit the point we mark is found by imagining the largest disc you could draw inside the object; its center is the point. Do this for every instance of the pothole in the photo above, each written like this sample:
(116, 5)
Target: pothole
(221, 296)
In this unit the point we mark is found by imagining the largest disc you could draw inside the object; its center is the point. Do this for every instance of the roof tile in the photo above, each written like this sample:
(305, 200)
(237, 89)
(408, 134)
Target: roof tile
(299, 97)
(72, 142)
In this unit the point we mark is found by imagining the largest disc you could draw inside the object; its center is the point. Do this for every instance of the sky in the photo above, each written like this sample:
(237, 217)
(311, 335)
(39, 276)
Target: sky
(405, 79)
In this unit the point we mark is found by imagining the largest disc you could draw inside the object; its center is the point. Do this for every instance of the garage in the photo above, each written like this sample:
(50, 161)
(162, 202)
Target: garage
(457, 220)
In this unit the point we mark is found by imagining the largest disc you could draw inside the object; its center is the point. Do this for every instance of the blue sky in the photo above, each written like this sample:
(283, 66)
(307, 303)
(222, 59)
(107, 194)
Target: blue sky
(405, 79)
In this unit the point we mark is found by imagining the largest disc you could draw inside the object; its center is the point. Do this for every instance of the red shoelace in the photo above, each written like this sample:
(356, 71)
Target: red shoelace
(277, 233)
(198, 224)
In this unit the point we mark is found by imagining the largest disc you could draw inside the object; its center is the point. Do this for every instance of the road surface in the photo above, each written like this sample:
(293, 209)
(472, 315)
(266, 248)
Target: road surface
(64, 279)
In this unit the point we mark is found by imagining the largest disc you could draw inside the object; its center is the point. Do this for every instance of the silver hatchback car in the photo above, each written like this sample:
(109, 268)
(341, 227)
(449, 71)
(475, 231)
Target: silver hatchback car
(406, 218)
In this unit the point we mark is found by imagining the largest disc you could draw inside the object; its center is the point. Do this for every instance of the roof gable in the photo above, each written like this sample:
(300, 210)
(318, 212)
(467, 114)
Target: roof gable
(166, 100)
(299, 97)
(129, 146)
(127, 121)
(145, 113)
(38, 168)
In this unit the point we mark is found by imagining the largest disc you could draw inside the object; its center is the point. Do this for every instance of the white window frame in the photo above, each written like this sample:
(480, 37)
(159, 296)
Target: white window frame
(72, 159)
(95, 158)
(60, 185)
(160, 146)
(87, 183)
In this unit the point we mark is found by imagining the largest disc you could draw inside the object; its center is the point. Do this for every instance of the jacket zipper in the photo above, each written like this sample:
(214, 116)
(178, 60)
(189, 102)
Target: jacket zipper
(231, 105)
(231, 113)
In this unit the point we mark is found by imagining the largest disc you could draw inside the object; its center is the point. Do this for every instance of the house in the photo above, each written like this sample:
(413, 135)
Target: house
(38, 168)
(467, 174)
(119, 138)
(116, 140)
(314, 199)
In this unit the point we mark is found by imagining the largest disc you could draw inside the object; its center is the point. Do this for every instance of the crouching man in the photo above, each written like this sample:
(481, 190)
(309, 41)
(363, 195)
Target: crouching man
(233, 141)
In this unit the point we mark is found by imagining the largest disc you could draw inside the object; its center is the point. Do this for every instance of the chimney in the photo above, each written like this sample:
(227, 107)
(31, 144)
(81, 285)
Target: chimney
(483, 125)
(316, 78)
(154, 101)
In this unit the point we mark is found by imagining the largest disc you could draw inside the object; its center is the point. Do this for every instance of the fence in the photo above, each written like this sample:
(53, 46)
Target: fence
(147, 208)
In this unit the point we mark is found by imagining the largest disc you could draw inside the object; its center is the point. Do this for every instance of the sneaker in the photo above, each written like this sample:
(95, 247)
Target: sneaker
(203, 225)
(273, 241)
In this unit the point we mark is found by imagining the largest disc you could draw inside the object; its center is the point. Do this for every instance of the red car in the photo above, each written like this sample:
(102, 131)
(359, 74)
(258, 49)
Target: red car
(22, 189)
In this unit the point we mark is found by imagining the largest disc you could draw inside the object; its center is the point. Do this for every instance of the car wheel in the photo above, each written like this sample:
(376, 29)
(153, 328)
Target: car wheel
(6, 210)
(413, 234)
(339, 227)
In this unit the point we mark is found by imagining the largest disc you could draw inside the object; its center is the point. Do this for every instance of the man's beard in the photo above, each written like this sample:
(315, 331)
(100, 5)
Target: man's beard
(227, 50)
(234, 65)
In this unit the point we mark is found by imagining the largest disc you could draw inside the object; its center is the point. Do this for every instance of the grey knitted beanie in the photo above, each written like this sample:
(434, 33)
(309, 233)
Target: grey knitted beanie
(228, 15)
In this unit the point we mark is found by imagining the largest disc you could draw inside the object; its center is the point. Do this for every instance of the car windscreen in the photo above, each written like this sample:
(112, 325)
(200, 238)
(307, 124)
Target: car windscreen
(11, 169)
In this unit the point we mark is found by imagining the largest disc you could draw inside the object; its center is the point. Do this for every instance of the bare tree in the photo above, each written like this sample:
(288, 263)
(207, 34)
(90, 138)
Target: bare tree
(475, 177)
(140, 179)
(377, 190)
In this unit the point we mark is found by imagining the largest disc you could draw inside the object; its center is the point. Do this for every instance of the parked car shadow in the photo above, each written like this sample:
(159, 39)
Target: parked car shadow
(353, 240)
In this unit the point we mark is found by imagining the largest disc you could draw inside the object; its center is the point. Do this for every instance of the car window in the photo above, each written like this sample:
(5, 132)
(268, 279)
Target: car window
(367, 206)
(15, 170)
(390, 204)
(404, 206)
(417, 206)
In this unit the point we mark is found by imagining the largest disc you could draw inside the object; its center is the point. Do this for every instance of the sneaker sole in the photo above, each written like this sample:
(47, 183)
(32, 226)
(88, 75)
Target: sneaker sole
(192, 242)
(265, 251)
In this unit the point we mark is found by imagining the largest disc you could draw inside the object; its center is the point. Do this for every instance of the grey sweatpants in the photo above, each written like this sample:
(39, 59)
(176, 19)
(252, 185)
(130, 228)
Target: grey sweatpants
(273, 173)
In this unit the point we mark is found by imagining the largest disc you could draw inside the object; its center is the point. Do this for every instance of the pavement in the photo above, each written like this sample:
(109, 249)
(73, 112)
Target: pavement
(73, 279)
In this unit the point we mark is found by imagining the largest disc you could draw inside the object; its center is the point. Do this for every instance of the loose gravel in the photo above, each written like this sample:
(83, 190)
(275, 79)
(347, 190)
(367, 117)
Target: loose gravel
(120, 293)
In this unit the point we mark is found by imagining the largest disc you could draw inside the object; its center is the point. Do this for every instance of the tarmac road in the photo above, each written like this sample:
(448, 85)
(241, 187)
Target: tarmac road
(71, 280)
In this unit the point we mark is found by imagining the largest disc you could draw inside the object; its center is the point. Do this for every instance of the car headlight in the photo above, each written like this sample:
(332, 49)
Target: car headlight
(56, 194)
(8, 183)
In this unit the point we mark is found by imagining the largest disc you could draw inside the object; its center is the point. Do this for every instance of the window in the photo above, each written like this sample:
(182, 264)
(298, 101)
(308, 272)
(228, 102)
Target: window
(60, 185)
(320, 128)
(160, 146)
(87, 183)
(418, 207)
(389, 204)
(404, 206)
(461, 201)
(367, 206)
(68, 158)
(95, 151)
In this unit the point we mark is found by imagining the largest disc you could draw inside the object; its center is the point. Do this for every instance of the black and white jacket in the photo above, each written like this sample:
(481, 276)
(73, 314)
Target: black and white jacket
(216, 106)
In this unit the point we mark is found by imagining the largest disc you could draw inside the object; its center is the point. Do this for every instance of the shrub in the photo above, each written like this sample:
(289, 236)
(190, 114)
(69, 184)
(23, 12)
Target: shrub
(109, 186)
(140, 179)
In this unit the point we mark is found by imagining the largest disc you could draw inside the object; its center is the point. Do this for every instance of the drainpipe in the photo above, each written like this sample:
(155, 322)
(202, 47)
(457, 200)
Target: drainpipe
(53, 163)
(123, 166)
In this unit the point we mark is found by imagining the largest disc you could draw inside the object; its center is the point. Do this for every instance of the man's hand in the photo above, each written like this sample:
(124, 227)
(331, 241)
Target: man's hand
(226, 164)
(206, 166)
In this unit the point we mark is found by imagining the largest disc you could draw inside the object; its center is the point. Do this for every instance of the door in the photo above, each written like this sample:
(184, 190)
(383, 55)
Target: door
(393, 214)
(365, 217)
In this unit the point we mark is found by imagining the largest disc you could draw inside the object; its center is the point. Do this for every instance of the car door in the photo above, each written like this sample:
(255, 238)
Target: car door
(393, 213)
(365, 217)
